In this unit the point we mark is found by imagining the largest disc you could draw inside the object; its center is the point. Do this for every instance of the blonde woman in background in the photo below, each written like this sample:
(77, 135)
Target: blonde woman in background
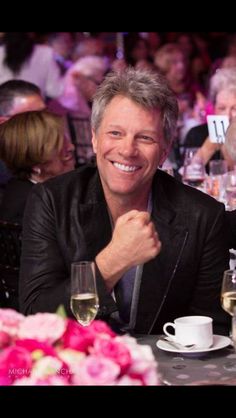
(34, 147)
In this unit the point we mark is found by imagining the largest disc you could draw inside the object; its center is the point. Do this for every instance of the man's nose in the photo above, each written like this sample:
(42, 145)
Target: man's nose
(128, 147)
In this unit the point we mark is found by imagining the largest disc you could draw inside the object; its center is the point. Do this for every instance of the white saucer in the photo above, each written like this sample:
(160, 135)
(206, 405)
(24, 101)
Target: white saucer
(219, 341)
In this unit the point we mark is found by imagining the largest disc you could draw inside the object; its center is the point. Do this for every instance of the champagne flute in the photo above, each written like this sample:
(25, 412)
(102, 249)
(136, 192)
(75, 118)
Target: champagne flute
(228, 303)
(84, 298)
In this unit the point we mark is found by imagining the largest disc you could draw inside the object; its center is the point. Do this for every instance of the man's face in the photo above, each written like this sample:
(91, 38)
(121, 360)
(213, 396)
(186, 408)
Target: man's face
(129, 146)
(26, 104)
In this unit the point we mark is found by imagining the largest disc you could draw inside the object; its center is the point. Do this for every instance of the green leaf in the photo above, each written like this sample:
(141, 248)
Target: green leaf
(61, 311)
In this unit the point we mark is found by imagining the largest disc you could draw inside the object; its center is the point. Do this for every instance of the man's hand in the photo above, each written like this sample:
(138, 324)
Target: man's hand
(134, 241)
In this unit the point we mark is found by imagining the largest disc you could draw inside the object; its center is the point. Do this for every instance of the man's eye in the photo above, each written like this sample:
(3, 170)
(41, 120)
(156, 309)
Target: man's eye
(114, 133)
(146, 138)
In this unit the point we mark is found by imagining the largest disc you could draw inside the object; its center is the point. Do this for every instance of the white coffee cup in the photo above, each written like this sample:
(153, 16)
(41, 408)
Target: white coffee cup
(195, 330)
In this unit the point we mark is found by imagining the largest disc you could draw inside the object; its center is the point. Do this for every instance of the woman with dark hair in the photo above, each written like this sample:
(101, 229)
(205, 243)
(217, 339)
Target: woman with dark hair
(21, 58)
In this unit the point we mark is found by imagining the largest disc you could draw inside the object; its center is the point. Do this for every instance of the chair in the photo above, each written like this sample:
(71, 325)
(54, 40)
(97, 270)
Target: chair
(80, 131)
(10, 249)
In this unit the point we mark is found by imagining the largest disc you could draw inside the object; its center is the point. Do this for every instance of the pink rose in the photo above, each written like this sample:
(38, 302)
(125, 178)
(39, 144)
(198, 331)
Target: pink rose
(10, 321)
(114, 350)
(101, 328)
(34, 345)
(129, 381)
(45, 327)
(15, 363)
(34, 381)
(45, 349)
(143, 366)
(5, 339)
(77, 337)
(95, 370)
(5, 380)
(50, 366)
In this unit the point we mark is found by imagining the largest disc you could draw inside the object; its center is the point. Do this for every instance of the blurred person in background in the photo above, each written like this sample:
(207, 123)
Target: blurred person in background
(230, 145)
(222, 94)
(62, 44)
(174, 65)
(22, 59)
(34, 147)
(136, 51)
(88, 46)
(16, 96)
(80, 84)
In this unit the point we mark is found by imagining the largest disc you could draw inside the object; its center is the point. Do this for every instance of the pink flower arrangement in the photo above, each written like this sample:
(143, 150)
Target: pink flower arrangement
(46, 349)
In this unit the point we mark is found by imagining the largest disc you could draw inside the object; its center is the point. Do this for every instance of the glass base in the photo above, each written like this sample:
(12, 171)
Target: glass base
(230, 366)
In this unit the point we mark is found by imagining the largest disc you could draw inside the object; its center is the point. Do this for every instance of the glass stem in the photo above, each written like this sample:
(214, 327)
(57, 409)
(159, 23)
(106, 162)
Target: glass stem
(233, 331)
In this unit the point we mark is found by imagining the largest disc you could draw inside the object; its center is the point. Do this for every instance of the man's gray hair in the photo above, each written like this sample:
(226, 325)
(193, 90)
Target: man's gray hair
(146, 88)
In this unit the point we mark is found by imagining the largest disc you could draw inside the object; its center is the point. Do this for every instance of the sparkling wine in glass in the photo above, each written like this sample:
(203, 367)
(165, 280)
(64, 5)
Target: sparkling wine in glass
(228, 303)
(84, 298)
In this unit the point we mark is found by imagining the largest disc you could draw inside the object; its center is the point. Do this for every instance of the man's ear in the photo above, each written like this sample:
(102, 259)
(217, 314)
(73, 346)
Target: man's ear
(94, 142)
(36, 170)
(164, 155)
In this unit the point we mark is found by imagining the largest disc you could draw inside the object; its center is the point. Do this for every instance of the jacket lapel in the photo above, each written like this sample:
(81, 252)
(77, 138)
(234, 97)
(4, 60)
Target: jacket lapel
(94, 218)
(159, 272)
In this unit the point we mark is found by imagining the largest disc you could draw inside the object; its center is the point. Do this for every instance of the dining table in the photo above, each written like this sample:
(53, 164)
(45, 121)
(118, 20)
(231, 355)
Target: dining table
(210, 367)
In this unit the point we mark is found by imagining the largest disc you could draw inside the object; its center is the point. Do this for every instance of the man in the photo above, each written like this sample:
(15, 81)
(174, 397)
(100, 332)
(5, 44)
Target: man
(17, 96)
(139, 224)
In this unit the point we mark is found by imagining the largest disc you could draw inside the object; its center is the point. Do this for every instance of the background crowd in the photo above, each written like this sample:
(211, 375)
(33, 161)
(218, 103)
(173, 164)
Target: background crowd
(68, 67)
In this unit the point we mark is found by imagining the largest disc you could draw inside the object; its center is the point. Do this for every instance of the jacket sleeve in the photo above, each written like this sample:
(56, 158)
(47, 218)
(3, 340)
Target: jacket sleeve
(231, 228)
(45, 267)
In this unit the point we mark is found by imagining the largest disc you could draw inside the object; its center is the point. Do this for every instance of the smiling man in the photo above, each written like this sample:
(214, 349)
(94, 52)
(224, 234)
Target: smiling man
(158, 244)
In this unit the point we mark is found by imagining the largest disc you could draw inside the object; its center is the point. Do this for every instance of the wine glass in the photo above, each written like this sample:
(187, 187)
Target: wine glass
(194, 170)
(217, 173)
(228, 303)
(84, 298)
(230, 190)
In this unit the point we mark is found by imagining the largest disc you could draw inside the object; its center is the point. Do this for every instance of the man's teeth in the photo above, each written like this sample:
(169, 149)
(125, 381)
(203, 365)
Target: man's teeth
(123, 167)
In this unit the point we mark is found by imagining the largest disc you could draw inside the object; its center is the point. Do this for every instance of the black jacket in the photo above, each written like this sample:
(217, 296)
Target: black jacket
(14, 200)
(66, 220)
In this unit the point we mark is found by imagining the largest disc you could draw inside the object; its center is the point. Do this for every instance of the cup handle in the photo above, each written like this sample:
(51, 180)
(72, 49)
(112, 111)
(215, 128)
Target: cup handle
(169, 324)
